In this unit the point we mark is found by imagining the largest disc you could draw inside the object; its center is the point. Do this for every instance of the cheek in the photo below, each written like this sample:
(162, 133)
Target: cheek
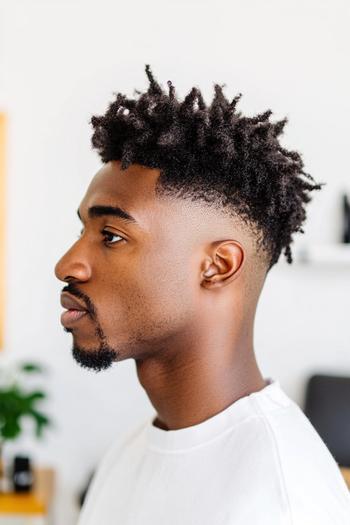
(156, 286)
(163, 286)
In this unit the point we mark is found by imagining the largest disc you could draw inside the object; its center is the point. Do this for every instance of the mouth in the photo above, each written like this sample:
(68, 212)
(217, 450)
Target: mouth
(74, 310)
(70, 317)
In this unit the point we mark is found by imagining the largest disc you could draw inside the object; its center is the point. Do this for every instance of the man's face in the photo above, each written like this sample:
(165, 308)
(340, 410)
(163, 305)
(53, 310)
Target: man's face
(139, 279)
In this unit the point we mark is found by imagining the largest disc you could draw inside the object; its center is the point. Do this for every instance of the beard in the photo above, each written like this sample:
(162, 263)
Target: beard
(96, 359)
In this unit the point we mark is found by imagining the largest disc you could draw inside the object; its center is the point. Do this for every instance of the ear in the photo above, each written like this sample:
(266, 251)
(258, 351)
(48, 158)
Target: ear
(225, 265)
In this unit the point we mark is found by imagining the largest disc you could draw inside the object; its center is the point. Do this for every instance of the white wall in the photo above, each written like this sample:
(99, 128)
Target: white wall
(60, 62)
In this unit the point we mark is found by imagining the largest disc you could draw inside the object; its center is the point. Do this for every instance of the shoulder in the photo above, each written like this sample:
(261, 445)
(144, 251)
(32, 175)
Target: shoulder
(310, 481)
(107, 463)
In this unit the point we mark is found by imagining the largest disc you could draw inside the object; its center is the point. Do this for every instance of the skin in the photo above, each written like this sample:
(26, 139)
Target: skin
(176, 292)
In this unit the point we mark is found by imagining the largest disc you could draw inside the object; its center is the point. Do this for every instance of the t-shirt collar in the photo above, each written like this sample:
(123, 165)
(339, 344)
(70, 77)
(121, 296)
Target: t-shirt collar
(211, 428)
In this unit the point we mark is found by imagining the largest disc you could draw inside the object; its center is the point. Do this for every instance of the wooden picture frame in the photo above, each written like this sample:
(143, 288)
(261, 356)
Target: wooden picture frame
(2, 225)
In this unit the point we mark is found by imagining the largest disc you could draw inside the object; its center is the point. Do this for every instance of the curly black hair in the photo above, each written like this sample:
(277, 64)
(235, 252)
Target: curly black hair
(212, 153)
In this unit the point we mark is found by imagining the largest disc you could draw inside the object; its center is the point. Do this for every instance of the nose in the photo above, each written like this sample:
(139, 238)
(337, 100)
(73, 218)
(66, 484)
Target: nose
(73, 266)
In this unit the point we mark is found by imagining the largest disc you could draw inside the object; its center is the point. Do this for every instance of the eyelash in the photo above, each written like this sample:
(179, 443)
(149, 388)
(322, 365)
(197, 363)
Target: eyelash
(104, 233)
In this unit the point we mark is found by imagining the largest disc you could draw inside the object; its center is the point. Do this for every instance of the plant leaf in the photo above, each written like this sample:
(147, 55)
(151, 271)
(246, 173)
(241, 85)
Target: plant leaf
(31, 367)
(11, 428)
(41, 421)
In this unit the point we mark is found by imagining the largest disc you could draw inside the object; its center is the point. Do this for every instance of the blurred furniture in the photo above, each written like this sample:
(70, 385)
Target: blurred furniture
(32, 508)
(346, 474)
(327, 406)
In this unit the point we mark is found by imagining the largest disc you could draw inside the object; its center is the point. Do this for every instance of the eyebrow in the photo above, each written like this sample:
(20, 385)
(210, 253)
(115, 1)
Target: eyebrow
(113, 211)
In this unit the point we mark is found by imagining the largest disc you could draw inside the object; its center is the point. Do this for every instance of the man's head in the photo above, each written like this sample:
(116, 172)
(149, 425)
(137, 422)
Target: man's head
(208, 199)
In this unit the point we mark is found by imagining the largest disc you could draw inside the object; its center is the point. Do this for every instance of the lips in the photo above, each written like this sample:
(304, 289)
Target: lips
(70, 303)
(74, 310)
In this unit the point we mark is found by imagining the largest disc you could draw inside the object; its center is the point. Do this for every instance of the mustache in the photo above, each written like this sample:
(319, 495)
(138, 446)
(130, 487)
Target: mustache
(74, 290)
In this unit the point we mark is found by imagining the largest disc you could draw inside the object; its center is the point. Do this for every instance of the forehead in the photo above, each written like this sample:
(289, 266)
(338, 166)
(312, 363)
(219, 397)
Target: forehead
(133, 189)
(132, 186)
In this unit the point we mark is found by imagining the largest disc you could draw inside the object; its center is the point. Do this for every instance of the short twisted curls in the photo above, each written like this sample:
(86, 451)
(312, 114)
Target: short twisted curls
(213, 153)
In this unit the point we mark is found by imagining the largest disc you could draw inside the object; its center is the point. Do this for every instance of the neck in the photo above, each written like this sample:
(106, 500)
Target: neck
(200, 374)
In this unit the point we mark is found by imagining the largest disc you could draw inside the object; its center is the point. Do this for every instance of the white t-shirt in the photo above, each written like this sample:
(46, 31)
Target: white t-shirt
(257, 462)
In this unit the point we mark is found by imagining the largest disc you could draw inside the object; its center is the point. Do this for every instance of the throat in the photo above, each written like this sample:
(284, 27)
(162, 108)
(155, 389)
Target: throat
(157, 423)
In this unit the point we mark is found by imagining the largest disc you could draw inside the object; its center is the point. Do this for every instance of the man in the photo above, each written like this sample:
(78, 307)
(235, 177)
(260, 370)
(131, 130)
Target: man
(192, 207)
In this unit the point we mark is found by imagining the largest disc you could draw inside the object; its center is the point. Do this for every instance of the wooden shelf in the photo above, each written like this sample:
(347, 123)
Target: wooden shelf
(346, 474)
(338, 254)
(35, 502)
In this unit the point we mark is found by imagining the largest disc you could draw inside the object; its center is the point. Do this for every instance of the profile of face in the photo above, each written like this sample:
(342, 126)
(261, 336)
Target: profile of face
(136, 268)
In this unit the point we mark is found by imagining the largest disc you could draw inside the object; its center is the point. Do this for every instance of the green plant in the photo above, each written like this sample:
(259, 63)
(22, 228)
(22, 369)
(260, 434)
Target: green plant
(16, 402)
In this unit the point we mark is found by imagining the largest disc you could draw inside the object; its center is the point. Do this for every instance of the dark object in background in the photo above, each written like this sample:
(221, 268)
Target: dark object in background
(346, 219)
(327, 406)
(82, 494)
(22, 475)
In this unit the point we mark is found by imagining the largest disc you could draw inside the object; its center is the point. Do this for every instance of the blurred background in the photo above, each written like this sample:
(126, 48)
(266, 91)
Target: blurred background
(60, 63)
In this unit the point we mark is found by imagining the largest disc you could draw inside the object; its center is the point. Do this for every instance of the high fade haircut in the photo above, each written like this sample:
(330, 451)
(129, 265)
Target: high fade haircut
(214, 154)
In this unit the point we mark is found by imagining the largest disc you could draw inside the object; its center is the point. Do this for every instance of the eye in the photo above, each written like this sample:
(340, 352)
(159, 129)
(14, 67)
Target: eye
(109, 236)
